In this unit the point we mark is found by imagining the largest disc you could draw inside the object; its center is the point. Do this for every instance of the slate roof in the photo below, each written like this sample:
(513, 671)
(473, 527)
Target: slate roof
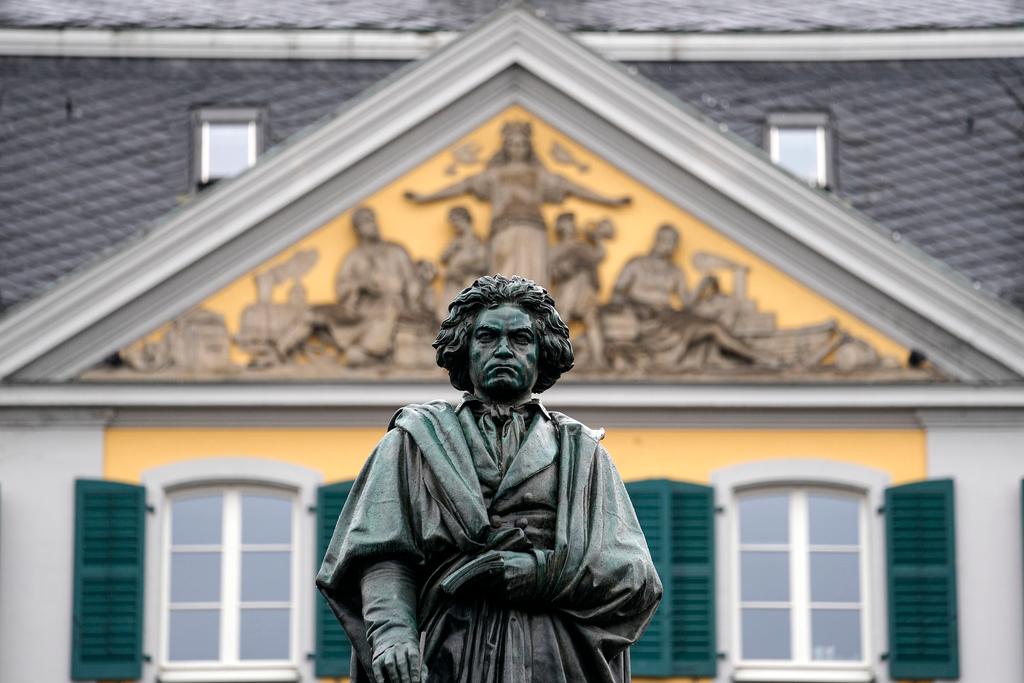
(91, 150)
(595, 15)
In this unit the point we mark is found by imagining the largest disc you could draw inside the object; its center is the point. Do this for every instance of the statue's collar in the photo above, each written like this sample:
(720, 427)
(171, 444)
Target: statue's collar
(500, 410)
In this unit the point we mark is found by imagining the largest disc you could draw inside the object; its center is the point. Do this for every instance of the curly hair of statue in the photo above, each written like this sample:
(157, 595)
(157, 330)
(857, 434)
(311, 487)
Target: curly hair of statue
(491, 291)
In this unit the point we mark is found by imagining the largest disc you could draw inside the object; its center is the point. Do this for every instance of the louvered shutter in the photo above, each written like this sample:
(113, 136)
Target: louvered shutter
(333, 650)
(678, 521)
(921, 557)
(110, 524)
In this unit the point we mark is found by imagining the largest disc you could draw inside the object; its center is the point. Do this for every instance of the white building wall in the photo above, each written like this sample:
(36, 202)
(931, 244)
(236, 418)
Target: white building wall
(39, 463)
(983, 452)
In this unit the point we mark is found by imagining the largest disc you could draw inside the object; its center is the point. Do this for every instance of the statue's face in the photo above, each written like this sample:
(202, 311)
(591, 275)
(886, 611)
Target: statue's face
(365, 223)
(503, 351)
(565, 227)
(665, 243)
(517, 147)
(459, 222)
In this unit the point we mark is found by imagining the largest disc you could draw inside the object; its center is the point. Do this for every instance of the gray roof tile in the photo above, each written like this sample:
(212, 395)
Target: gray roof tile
(933, 150)
(599, 15)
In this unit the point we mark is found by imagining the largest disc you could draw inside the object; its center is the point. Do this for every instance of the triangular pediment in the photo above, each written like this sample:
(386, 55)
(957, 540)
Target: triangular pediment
(264, 278)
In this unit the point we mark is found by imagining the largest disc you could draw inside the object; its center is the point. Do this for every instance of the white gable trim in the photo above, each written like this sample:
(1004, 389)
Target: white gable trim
(37, 338)
(409, 45)
(567, 396)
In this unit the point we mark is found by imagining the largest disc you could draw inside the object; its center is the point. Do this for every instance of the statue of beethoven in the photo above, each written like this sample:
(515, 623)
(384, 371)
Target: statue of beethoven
(492, 541)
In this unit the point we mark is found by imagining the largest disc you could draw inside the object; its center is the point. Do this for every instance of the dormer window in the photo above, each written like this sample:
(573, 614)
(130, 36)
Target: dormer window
(226, 143)
(801, 144)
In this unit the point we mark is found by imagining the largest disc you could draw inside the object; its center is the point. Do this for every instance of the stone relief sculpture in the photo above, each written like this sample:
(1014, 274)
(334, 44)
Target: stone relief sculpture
(651, 326)
(270, 332)
(374, 285)
(651, 318)
(575, 280)
(464, 259)
(517, 184)
(196, 344)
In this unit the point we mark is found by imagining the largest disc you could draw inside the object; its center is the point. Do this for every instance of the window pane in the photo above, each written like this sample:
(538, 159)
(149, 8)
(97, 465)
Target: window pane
(194, 635)
(196, 520)
(228, 149)
(764, 576)
(797, 152)
(764, 518)
(263, 634)
(835, 577)
(266, 576)
(266, 519)
(835, 634)
(195, 577)
(834, 520)
(765, 633)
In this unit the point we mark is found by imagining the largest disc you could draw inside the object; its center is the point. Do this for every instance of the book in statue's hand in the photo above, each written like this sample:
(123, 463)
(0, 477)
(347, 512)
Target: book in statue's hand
(481, 565)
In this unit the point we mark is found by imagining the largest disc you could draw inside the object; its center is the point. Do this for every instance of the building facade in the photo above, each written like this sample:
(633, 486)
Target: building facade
(790, 265)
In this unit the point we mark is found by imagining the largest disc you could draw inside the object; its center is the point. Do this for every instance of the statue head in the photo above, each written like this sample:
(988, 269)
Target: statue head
(503, 339)
(565, 226)
(516, 144)
(666, 240)
(460, 219)
(364, 222)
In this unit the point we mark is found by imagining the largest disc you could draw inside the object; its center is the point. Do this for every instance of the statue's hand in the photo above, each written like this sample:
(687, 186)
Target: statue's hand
(514, 578)
(399, 663)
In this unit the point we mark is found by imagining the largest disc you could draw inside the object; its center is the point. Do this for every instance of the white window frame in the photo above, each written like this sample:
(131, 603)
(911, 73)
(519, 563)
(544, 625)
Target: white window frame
(240, 473)
(800, 605)
(203, 118)
(823, 147)
(229, 606)
(805, 474)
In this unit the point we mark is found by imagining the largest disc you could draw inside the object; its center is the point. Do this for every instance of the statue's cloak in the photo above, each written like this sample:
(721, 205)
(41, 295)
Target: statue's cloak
(418, 499)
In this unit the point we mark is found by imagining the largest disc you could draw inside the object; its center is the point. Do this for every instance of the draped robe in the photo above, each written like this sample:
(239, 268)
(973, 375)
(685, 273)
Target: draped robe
(419, 499)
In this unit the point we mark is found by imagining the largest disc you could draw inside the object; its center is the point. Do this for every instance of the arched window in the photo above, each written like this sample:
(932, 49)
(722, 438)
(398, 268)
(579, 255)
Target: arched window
(231, 571)
(802, 568)
(230, 561)
(801, 571)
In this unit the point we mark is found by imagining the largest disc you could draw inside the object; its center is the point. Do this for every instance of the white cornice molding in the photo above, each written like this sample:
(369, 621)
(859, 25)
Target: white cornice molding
(31, 335)
(564, 396)
(410, 45)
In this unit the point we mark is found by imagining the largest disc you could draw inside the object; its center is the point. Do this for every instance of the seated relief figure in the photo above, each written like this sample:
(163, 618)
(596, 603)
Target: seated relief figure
(492, 541)
(643, 316)
(374, 287)
(517, 185)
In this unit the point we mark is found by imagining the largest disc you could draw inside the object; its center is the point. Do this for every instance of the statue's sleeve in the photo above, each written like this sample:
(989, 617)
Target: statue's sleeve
(554, 188)
(605, 580)
(380, 521)
(481, 185)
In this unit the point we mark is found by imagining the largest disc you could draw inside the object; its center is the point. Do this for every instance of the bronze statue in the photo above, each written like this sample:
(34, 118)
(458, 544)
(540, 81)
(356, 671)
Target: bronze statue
(493, 541)
(517, 185)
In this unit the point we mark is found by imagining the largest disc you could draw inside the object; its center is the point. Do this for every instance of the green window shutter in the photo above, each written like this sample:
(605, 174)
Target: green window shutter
(678, 521)
(921, 562)
(110, 540)
(333, 651)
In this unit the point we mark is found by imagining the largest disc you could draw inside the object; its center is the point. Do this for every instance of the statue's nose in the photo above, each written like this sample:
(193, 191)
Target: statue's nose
(503, 350)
